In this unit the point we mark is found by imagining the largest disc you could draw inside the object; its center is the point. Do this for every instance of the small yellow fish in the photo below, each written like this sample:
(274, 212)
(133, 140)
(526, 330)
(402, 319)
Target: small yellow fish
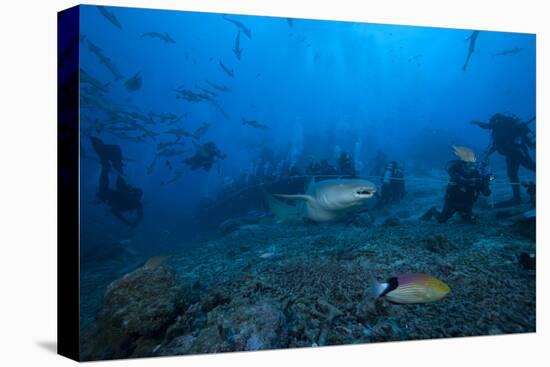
(464, 153)
(411, 288)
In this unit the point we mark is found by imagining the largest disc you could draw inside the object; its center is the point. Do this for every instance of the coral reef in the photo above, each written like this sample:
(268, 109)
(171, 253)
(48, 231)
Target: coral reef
(228, 226)
(438, 243)
(275, 285)
(392, 222)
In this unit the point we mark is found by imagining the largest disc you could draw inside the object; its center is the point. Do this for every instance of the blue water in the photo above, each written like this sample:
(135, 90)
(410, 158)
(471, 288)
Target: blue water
(322, 87)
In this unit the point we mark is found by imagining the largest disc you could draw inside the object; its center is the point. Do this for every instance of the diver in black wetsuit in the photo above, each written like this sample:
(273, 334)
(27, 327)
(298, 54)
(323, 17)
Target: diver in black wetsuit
(205, 156)
(393, 185)
(346, 165)
(124, 200)
(512, 138)
(465, 185)
(326, 168)
(321, 170)
(109, 155)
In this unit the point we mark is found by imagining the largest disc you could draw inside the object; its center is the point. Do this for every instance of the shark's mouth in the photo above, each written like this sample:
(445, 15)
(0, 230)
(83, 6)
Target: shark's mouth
(365, 191)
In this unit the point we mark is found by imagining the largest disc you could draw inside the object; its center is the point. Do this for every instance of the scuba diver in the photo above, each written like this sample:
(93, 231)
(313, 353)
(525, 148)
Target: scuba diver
(346, 165)
(205, 156)
(467, 181)
(326, 168)
(313, 168)
(393, 185)
(512, 138)
(322, 169)
(124, 200)
(109, 155)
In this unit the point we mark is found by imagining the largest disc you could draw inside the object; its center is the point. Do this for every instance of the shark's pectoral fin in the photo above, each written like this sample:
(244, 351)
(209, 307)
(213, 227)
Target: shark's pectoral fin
(282, 210)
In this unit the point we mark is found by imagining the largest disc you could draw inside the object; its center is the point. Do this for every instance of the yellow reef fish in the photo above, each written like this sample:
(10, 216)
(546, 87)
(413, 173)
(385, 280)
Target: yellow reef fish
(464, 153)
(411, 288)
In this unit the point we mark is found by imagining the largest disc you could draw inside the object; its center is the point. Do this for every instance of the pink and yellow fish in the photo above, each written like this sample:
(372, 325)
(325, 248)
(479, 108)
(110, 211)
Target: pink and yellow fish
(411, 288)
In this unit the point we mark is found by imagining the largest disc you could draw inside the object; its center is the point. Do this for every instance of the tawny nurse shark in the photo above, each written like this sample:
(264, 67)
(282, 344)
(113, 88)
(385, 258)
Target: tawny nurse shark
(325, 201)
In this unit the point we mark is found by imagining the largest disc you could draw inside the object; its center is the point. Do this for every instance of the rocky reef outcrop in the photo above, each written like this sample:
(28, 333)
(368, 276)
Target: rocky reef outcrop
(137, 309)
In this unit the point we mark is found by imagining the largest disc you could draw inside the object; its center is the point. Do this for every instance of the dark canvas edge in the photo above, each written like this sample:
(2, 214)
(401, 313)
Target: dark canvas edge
(68, 339)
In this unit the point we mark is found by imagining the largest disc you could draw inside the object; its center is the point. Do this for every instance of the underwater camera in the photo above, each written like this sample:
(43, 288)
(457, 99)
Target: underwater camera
(486, 174)
(487, 177)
